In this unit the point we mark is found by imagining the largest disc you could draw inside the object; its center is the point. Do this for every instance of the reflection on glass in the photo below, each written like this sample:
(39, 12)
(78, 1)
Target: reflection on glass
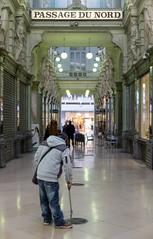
(86, 174)
(18, 202)
(94, 210)
(2, 219)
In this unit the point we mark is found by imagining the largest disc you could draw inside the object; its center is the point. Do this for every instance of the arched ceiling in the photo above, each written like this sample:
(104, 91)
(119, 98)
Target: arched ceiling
(77, 39)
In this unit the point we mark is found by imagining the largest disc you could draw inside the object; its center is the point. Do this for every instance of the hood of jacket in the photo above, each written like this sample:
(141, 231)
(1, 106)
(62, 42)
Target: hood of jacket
(53, 141)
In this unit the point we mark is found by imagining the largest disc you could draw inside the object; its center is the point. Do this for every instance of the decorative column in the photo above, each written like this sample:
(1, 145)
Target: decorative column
(34, 101)
(44, 99)
(4, 27)
(118, 110)
(107, 116)
(110, 114)
(20, 41)
(29, 91)
(11, 35)
(148, 23)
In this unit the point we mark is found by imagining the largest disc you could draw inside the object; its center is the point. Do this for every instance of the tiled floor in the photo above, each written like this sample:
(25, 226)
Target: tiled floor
(116, 199)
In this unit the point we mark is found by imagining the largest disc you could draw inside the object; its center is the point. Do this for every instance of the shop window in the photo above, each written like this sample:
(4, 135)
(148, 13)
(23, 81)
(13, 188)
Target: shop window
(128, 108)
(18, 105)
(137, 105)
(1, 100)
(145, 107)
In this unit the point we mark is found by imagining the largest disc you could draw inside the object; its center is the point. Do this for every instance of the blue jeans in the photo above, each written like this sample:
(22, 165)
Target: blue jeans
(49, 202)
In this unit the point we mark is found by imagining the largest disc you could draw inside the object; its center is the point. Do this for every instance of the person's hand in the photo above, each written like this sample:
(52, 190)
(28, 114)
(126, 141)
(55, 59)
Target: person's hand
(69, 184)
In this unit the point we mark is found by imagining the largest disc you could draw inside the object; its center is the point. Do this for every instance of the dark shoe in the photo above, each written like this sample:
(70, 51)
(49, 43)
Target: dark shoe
(47, 222)
(65, 226)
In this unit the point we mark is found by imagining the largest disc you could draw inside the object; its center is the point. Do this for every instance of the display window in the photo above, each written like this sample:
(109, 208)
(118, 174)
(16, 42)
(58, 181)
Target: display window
(1, 100)
(145, 107)
(137, 105)
(18, 105)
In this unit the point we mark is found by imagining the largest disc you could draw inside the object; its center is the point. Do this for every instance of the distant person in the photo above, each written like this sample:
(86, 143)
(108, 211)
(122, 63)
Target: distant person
(56, 155)
(70, 131)
(65, 126)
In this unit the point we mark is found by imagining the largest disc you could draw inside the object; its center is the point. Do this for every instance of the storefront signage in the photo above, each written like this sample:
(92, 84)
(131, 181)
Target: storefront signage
(76, 15)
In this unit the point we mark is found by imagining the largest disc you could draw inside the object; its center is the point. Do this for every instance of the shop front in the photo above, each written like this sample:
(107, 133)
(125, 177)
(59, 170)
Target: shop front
(137, 138)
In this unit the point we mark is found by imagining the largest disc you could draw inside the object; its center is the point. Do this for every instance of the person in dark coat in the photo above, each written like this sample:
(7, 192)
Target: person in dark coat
(70, 131)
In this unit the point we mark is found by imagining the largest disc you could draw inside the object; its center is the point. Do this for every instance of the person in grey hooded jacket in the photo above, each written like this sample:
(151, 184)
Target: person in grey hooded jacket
(48, 172)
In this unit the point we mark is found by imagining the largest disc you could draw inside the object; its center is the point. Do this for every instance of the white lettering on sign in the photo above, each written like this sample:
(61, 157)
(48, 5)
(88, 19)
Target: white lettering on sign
(76, 15)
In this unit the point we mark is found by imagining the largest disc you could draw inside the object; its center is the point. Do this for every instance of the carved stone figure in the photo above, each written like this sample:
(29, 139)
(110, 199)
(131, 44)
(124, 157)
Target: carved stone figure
(148, 18)
(19, 39)
(134, 38)
(129, 4)
(4, 24)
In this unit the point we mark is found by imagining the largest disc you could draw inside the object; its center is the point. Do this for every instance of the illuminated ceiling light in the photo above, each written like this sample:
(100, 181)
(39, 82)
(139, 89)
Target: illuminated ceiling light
(95, 64)
(68, 93)
(94, 69)
(87, 93)
(60, 69)
(57, 59)
(59, 65)
(97, 58)
(89, 54)
(64, 55)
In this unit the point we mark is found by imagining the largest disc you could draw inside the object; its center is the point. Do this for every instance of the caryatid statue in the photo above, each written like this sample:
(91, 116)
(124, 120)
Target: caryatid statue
(148, 19)
(20, 35)
(4, 25)
(129, 4)
(134, 38)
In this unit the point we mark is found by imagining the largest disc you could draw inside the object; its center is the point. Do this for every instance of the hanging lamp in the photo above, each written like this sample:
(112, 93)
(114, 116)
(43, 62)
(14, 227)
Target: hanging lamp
(89, 54)
(64, 55)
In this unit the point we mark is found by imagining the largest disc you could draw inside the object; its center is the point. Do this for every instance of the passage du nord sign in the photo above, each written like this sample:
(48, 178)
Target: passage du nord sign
(76, 15)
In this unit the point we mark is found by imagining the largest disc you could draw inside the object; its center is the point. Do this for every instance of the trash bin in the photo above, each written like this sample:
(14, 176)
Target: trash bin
(2, 155)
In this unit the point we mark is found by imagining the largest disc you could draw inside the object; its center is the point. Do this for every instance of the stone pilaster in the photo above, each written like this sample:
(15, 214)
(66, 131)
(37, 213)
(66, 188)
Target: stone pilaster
(118, 110)
(34, 99)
